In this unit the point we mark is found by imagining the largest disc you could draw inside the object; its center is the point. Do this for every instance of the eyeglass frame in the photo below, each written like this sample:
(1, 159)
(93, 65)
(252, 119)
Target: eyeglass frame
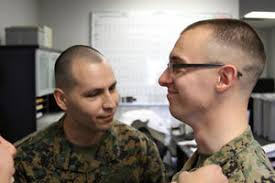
(199, 65)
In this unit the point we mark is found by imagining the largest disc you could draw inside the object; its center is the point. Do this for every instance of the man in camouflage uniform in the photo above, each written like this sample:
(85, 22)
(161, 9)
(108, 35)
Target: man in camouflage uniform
(87, 145)
(213, 68)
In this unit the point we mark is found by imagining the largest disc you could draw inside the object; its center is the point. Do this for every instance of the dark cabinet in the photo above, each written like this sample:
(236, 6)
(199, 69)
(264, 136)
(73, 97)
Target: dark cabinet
(26, 72)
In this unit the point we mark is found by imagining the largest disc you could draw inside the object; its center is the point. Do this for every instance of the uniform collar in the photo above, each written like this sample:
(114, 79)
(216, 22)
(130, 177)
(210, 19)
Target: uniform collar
(227, 152)
(67, 159)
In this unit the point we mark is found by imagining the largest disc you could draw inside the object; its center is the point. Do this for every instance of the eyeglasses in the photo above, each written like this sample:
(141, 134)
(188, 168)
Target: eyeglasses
(173, 66)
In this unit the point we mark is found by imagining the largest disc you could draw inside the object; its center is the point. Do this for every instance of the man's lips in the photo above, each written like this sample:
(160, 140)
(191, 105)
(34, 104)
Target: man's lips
(170, 92)
(107, 117)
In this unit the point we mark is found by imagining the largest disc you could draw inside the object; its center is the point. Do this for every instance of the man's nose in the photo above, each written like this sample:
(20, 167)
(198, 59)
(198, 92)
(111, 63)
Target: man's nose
(165, 78)
(109, 100)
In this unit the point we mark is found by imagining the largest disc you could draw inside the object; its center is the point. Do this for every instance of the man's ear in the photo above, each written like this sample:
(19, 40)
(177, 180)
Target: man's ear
(227, 76)
(60, 98)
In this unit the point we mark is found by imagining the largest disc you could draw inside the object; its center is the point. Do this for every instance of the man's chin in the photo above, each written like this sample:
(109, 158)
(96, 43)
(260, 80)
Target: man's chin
(105, 126)
(175, 113)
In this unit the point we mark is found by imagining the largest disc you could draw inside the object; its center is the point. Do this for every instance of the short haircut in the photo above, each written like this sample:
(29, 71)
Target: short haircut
(241, 36)
(64, 78)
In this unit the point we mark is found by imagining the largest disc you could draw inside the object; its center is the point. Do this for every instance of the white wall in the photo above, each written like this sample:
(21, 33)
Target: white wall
(259, 5)
(265, 34)
(70, 18)
(267, 30)
(17, 12)
(268, 36)
(272, 53)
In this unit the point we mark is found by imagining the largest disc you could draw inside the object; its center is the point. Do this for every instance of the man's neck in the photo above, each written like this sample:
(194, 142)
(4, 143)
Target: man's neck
(81, 136)
(217, 130)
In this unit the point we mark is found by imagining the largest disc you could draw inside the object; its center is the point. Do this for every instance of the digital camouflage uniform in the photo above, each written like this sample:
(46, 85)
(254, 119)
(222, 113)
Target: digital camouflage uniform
(124, 155)
(242, 161)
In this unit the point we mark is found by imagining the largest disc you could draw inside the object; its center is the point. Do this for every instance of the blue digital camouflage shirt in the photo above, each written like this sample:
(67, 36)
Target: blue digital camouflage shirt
(124, 155)
(242, 161)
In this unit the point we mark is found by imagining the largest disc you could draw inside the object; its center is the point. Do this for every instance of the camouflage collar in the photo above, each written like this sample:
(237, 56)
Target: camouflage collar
(232, 148)
(67, 159)
(227, 152)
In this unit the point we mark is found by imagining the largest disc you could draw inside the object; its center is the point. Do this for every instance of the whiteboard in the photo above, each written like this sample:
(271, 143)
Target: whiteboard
(137, 45)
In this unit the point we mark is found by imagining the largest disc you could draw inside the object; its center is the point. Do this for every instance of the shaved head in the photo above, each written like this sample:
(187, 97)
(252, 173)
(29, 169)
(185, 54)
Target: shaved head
(64, 78)
(235, 42)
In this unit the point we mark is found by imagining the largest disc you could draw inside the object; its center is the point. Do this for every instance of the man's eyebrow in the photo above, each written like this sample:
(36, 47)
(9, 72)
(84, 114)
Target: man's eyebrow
(92, 90)
(114, 83)
(176, 59)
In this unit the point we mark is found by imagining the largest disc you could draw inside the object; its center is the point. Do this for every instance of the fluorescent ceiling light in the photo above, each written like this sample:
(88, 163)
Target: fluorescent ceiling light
(260, 14)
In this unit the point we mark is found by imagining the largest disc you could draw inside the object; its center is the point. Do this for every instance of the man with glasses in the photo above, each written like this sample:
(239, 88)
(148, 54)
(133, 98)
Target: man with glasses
(213, 68)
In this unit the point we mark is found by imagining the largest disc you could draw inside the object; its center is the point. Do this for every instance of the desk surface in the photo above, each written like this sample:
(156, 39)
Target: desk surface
(48, 119)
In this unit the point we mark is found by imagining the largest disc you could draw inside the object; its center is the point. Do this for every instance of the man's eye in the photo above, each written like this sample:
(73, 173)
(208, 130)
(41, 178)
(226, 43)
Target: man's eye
(177, 70)
(112, 88)
(93, 94)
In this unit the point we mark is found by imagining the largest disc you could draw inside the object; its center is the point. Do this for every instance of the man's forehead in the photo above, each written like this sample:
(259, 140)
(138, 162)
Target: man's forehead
(89, 69)
(106, 84)
(100, 80)
(191, 42)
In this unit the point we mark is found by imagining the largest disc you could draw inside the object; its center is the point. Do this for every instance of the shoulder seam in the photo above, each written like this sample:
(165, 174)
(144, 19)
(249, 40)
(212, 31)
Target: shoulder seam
(29, 137)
